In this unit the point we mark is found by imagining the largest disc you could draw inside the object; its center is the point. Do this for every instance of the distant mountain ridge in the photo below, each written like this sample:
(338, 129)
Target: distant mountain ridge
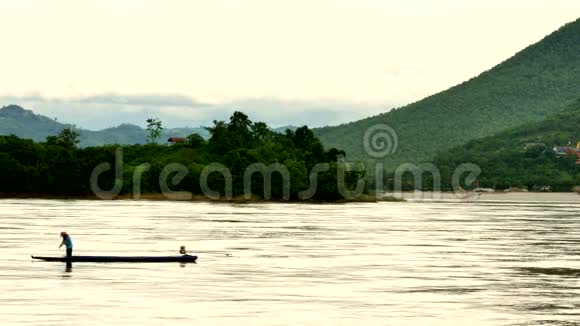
(24, 123)
(15, 120)
(536, 82)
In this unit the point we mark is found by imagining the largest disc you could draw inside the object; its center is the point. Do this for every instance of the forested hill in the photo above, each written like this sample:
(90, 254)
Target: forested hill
(536, 82)
(14, 120)
(524, 157)
(57, 167)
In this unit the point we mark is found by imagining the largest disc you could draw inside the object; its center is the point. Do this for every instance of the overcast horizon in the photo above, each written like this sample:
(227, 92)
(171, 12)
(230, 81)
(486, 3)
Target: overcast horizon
(98, 64)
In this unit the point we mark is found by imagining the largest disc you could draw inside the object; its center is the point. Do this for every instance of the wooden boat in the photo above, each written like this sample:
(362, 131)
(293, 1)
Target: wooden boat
(121, 259)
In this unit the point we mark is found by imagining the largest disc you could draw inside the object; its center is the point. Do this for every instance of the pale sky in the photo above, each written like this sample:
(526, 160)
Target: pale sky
(285, 62)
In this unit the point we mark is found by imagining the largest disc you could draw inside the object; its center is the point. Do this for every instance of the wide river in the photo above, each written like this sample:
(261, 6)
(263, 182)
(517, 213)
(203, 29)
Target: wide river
(447, 262)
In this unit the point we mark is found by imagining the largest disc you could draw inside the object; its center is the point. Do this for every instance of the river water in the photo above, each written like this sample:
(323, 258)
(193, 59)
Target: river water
(451, 262)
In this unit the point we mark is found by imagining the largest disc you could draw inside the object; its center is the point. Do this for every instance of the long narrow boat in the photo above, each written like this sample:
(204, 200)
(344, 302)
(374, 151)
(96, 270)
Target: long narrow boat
(122, 259)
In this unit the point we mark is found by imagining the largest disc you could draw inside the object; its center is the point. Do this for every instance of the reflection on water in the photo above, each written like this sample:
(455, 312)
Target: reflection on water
(415, 263)
(68, 268)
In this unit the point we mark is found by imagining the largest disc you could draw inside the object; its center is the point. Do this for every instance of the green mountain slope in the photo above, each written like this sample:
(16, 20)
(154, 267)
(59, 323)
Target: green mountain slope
(14, 120)
(538, 81)
(518, 157)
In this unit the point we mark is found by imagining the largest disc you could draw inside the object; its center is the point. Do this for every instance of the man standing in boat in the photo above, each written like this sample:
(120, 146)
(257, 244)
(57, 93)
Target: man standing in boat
(67, 242)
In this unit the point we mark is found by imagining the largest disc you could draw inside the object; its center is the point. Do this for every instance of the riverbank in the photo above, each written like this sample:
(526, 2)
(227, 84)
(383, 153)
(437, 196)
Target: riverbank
(469, 196)
(197, 198)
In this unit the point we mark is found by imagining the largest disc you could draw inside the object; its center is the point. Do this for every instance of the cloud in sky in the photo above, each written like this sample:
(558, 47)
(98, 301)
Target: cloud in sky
(309, 56)
(101, 111)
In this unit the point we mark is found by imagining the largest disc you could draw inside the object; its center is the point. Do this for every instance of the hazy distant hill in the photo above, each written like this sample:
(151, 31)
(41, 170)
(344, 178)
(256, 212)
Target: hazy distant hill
(538, 81)
(15, 120)
(284, 128)
(24, 123)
